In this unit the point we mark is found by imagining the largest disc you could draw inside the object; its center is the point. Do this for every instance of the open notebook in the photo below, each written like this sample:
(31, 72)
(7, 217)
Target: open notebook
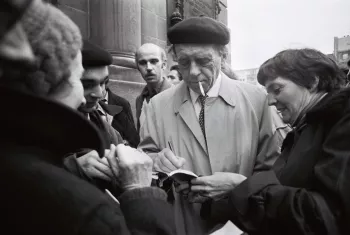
(180, 176)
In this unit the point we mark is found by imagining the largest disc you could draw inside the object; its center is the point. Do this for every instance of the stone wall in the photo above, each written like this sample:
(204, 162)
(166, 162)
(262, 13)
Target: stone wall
(78, 11)
(154, 22)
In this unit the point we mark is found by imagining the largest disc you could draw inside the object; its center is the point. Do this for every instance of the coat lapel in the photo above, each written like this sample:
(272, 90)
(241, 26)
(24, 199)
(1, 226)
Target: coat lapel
(183, 107)
(227, 90)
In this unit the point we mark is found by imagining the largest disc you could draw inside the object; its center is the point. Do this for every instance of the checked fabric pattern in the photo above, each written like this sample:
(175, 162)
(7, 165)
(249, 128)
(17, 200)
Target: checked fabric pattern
(201, 114)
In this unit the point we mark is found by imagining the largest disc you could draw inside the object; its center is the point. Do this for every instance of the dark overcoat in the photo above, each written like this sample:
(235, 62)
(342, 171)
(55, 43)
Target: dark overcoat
(123, 121)
(308, 192)
(38, 196)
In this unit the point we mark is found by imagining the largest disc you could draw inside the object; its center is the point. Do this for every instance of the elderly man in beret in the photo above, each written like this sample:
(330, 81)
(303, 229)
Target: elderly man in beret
(214, 126)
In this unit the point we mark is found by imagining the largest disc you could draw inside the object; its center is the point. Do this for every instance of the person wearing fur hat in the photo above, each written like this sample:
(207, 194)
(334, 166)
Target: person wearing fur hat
(219, 127)
(40, 72)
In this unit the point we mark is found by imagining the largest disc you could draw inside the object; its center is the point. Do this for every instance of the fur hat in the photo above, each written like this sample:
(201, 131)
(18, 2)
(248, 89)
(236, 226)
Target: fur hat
(55, 40)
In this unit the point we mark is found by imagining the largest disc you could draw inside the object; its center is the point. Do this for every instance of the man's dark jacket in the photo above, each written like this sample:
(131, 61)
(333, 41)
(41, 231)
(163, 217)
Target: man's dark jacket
(123, 121)
(146, 95)
(308, 192)
(39, 197)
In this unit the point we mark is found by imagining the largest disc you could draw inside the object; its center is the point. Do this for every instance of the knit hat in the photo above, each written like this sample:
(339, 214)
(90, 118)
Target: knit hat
(55, 41)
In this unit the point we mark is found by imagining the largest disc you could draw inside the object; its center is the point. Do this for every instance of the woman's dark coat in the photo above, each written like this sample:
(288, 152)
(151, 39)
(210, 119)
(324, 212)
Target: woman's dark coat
(39, 197)
(309, 190)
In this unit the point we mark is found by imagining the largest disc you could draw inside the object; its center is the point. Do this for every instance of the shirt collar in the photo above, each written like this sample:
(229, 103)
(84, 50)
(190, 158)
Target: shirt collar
(100, 110)
(105, 99)
(150, 91)
(213, 92)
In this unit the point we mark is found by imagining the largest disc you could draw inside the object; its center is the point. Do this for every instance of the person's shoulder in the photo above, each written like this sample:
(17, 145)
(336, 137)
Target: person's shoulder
(165, 99)
(244, 90)
(165, 95)
(250, 89)
(139, 99)
(118, 100)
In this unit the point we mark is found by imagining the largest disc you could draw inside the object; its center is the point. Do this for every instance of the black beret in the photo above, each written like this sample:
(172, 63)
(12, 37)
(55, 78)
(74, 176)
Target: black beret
(199, 30)
(94, 55)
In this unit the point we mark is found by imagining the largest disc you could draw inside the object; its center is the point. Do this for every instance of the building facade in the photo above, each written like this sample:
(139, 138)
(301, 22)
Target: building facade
(121, 26)
(342, 50)
(248, 75)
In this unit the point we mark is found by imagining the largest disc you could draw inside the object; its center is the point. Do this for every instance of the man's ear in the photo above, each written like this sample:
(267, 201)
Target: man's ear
(315, 85)
(164, 64)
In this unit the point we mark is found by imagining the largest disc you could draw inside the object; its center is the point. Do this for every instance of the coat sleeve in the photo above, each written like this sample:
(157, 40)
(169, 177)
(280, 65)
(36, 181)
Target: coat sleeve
(114, 135)
(138, 107)
(71, 165)
(141, 211)
(261, 203)
(149, 131)
(269, 141)
(129, 113)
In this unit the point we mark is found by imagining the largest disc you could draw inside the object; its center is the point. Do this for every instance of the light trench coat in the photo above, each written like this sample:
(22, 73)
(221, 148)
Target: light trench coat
(239, 132)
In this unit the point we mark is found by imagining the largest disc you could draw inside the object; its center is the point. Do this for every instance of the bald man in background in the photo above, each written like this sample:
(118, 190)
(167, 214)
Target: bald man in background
(151, 61)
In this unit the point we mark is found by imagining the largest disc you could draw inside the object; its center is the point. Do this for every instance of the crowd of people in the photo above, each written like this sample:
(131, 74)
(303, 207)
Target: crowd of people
(272, 160)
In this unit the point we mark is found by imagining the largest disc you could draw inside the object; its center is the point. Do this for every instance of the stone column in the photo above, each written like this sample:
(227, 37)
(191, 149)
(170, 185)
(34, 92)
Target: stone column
(78, 11)
(116, 26)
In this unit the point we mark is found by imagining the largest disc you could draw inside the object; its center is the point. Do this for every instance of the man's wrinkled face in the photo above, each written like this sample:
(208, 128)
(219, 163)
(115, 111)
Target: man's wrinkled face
(94, 82)
(198, 63)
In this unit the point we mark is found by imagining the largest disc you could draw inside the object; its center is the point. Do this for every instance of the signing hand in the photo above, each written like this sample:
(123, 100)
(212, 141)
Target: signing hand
(166, 161)
(132, 168)
(215, 186)
(94, 166)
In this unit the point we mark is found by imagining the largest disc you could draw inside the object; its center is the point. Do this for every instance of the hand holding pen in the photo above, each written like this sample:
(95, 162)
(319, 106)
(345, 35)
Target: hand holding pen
(167, 161)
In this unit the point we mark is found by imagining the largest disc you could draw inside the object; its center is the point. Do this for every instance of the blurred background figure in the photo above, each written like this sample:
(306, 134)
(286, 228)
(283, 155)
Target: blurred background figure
(174, 75)
(151, 61)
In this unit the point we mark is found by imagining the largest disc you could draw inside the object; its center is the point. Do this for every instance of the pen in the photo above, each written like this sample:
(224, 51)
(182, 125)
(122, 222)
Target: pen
(111, 195)
(171, 147)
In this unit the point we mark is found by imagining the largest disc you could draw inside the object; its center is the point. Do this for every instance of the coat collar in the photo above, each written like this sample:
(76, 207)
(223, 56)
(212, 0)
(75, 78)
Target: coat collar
(182, 93)
(331, 107)
(36, 121)
(183, 106)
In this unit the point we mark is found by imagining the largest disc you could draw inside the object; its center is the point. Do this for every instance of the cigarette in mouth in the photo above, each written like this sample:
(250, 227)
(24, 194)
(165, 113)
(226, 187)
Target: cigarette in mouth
(201, 88)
